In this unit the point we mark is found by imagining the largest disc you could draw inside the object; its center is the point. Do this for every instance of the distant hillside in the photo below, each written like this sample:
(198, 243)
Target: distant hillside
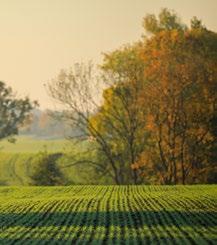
(43, 125)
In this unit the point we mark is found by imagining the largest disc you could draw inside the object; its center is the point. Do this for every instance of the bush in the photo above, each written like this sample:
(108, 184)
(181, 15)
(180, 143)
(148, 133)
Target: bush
(47, 171)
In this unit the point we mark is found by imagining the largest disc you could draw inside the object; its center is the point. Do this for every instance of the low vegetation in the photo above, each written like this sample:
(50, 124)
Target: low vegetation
(108, 215)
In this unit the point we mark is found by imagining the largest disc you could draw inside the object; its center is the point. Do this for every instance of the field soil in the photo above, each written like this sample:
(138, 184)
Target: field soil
(109, 215)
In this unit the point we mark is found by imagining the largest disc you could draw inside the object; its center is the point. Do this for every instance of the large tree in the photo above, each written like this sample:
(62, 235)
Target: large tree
(78, 92)
(180, 67)
(119, 118)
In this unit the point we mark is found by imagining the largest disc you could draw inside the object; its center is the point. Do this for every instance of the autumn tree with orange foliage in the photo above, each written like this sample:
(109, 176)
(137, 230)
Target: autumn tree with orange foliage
(180, 69)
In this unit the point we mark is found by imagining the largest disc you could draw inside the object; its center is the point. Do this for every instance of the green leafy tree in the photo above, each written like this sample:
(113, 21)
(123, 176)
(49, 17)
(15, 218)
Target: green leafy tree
(13, 112)
(119, 118)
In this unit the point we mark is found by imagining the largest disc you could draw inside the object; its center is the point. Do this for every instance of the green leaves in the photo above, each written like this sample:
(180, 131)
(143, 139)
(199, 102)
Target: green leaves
(13, 111)
(167, 20)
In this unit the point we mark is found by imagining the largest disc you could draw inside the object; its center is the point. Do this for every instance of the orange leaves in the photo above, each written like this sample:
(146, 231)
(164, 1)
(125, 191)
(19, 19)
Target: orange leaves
(135, 166)
(150, 123)
(179, 95)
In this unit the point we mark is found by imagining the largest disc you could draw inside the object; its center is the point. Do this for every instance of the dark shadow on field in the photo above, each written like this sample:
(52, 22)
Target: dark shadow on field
(81, 221)
(110, 241)
(7, 241)
(118, 241)
(104, 219)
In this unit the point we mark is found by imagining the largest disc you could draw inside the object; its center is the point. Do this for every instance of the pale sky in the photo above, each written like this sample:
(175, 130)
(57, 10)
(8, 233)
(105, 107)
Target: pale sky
(40, 37)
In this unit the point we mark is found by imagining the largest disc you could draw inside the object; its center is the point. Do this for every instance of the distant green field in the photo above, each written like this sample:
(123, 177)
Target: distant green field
(17, 161)
(108, 215)
(26, 144)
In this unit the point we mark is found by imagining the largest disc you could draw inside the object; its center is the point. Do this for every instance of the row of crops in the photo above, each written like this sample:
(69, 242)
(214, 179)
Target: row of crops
(108, 215)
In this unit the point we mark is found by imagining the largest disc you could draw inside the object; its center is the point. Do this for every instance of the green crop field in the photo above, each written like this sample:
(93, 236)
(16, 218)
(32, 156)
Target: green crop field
(109, 215)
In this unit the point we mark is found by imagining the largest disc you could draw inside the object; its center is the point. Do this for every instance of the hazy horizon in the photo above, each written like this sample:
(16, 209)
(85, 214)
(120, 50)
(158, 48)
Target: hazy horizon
(41, 37)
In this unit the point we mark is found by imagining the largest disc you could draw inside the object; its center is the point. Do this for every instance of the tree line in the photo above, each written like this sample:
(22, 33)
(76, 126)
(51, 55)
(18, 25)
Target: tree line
(150, 109)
